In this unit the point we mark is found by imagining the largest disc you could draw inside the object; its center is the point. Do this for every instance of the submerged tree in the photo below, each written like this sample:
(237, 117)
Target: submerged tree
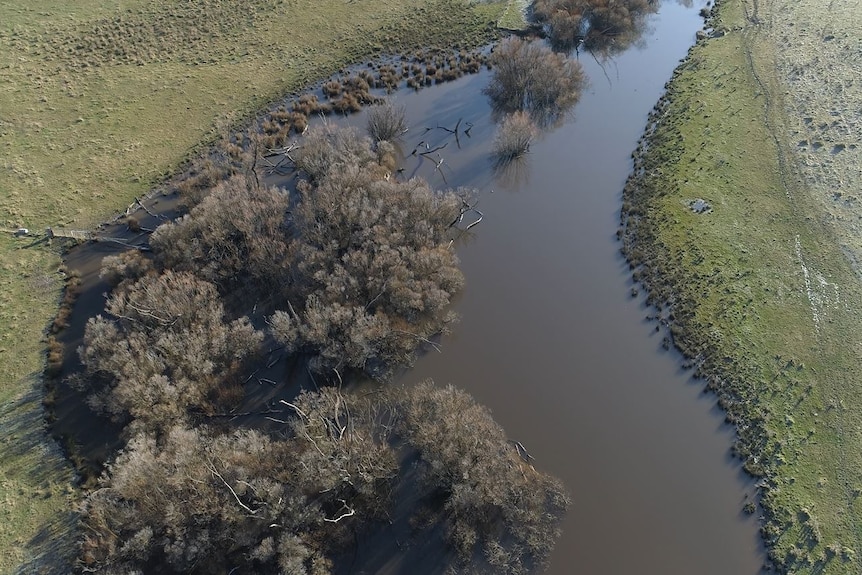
(196, 501)
(165, 352)
(603, 27)
(530, 77)
(372, 270)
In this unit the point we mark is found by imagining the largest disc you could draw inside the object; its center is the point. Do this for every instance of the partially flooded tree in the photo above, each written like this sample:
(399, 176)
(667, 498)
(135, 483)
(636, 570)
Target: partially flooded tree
(192, 500)
(373, 272)
(603, 27)
(327, 150)
(386, 121)
(235, 238)
(198, 502)
(514, 137)
(530, 77)
(166, 351)
(494, 501)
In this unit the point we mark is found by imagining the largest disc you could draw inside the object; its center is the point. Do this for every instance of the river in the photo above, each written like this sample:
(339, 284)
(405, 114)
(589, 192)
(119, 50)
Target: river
(553, 341)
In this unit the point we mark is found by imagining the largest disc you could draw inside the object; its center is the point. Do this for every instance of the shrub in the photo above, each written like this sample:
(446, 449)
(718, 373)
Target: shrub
(530, 77)
(234, 238)
(514, 136)
(386, 122)
(167, 352)
(494, 501)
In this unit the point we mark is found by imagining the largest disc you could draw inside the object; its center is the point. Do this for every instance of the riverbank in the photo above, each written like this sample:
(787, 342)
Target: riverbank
(100, 104)
(732, 241)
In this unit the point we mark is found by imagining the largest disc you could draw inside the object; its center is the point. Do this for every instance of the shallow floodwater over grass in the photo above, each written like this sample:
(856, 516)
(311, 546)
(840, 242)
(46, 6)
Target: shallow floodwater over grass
(552, 340)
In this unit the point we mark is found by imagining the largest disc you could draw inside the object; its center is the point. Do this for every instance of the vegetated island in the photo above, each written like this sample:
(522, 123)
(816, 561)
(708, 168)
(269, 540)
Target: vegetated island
(103, 103)
(348, 271)
(752, 263)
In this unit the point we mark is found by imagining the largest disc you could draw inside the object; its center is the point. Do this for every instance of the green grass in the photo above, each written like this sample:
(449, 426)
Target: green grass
(762, 293)
(100, 101)
(515, 16)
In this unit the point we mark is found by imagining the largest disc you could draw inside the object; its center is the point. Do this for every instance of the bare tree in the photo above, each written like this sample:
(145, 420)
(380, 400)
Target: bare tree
(386, 121)
(495, 501)
(603, 27)
(166, 351)
(234, 238)
(326, 150)
(193, 501)
(530, 77)
(372, 270)
(514, 137)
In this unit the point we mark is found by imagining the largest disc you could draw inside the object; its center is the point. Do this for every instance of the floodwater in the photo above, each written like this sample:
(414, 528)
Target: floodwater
(552, 338)
(553, 341)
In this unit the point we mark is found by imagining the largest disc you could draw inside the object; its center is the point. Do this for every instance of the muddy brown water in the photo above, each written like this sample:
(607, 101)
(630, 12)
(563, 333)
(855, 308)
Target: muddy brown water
(553, 342)
(551, 337)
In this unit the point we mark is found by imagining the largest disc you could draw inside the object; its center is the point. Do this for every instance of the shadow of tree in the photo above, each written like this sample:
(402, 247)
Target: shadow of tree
(37, 484)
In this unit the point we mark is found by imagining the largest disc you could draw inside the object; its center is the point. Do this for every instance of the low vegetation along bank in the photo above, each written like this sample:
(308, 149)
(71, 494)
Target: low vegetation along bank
(755, 289)
(99, 102)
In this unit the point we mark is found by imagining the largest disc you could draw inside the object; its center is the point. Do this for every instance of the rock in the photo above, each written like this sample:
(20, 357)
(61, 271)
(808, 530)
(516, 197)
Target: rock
(21, 232)
(701, 35)
(700, 206)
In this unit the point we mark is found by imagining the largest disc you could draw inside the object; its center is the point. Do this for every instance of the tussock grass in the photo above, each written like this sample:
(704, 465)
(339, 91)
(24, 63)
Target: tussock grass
(102, 100)
(764, 301)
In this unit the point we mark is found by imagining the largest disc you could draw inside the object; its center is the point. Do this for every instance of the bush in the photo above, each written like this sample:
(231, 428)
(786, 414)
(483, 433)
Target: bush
(530, 77)
(494, 501)
(513, 138)
(386, 122)
(167, 353)
(372, 268)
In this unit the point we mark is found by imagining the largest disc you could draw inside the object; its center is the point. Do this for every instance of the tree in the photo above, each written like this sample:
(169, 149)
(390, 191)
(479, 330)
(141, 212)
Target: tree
(327, 150)
(495, 502)
(195, 501)
(530, 77)
(514, 137)
(386, 121)
(235, 237)
(167, 352)
(372, 270)
(604, 27)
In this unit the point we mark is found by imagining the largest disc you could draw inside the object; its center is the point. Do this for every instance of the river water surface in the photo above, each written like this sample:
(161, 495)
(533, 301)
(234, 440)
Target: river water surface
(552, 340)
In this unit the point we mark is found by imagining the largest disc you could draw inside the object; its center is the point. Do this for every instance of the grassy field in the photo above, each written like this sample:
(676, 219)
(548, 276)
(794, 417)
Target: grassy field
(100, 101)
(763, 299)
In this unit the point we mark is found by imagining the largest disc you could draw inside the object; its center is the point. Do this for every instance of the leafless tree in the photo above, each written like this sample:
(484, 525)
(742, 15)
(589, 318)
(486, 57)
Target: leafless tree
(532, 78)
(386, 121)
(165, 351)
